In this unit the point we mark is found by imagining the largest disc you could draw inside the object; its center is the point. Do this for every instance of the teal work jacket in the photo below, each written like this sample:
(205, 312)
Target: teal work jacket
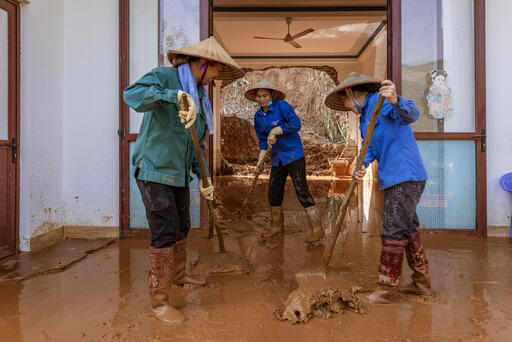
(164, 150)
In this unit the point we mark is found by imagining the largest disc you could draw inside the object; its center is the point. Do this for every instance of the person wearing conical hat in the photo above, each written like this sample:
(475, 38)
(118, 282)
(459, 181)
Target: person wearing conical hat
(276, 126)
(402, 176)
(164, 155)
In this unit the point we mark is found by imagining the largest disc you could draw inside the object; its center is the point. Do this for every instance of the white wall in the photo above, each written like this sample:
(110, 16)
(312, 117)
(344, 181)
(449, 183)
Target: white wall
(499, 118)
(69, 115)
(41, 118)
(91, 114)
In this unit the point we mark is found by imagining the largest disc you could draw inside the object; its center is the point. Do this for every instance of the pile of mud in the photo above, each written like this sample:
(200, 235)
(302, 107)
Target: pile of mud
(240, 148)
(307, 302)
(239, 144)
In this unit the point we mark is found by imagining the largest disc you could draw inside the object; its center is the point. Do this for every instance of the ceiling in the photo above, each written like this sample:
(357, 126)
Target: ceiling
(336, 34)
(298, 3)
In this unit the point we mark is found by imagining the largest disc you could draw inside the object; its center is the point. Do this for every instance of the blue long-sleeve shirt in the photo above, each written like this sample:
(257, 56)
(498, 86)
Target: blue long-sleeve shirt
(288, 147)
(393, 144)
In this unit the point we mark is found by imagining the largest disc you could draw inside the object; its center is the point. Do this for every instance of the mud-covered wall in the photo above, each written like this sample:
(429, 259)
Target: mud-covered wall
(305, 89)
(240, 149)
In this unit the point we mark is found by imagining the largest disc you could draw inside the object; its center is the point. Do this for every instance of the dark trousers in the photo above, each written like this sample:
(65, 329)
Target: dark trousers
(399, 219)
(277, 182)
(167, 211)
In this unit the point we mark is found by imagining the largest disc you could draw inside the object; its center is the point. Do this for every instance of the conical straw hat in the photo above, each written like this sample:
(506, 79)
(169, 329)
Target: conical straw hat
(212, 50)
(264, 84)
(334, 101)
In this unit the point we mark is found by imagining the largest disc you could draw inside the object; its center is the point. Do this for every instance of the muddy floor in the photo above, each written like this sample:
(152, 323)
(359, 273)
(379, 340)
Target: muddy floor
(105, 297)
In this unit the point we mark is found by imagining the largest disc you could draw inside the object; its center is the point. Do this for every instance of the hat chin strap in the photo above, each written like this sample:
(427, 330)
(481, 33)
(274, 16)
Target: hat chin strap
(204, 67)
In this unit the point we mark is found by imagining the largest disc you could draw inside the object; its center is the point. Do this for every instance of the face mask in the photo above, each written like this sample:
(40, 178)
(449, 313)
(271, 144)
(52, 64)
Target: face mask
(357, 106)
(269, 103)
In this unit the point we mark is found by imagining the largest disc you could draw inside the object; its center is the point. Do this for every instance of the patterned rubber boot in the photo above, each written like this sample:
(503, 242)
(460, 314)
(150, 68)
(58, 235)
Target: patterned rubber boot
(418, 262)
(390, 270)
(315, 221)
(277, 223)
(181, 277)
(160, 277)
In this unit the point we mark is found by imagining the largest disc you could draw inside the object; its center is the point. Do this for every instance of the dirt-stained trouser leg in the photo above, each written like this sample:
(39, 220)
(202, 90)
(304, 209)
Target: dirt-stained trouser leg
(276, 185)
(297, 171)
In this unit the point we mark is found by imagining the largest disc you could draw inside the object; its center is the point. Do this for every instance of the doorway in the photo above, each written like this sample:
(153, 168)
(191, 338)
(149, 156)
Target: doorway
(9, 126)
(337, 41)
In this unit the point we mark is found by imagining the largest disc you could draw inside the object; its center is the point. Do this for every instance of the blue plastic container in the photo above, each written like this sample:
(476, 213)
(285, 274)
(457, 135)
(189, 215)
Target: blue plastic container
(506, 184)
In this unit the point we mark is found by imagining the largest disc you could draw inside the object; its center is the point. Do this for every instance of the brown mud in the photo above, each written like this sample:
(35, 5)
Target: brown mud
(53, 258)
(105, 296)
(240, 149)
(321, 298)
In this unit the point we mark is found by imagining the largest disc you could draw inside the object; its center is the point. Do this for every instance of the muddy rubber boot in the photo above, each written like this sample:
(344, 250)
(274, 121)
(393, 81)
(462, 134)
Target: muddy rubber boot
(418, 262)
(277, 224)
(181, 277)
(315, 221)
(390, 270)
(160, 277)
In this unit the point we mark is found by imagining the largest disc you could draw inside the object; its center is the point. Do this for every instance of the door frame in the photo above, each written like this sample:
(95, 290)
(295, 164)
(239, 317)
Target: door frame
(125, 137)
(395, 71)
(13, 177)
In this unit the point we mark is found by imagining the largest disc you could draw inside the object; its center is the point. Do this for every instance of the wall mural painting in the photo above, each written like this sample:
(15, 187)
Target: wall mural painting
(439, 95)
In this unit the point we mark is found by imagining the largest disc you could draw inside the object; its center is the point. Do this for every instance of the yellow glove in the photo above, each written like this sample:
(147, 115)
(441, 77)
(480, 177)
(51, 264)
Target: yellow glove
(207, 192)
(261, 157)
(188, 116)
(272, 137)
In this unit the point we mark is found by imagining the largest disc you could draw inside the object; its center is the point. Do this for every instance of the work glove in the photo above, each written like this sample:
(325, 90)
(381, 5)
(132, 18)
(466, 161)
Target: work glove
(261, 157)
(207, 192)
(188, 116)
(272, 136)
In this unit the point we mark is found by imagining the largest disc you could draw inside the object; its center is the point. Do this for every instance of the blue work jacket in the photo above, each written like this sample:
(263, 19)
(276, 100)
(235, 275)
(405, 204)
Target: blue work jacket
(393, 144)
(288, 147)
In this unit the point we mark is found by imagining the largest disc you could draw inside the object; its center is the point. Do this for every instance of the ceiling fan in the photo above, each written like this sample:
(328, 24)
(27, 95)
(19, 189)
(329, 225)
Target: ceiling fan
(289, 38)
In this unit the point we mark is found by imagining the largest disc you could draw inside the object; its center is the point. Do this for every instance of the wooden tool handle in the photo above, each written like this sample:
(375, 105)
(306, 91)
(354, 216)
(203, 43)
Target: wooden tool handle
(350, 191)
(204, 175)
(259, 169)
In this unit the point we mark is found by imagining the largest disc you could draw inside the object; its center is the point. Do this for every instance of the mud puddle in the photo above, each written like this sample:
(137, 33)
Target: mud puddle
(105, 297)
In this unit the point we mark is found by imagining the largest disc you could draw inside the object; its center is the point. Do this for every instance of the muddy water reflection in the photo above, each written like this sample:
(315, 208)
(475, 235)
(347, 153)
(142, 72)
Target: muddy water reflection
(104, 297)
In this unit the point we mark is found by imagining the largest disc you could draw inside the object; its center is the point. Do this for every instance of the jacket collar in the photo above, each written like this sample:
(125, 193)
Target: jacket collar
(270, 109)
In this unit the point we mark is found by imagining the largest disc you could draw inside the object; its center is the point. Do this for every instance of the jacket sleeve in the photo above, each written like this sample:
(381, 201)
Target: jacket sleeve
(148, 93)
(196, 168)
(262, 137)
(369, 157)
(404, 111)
(291, 122)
